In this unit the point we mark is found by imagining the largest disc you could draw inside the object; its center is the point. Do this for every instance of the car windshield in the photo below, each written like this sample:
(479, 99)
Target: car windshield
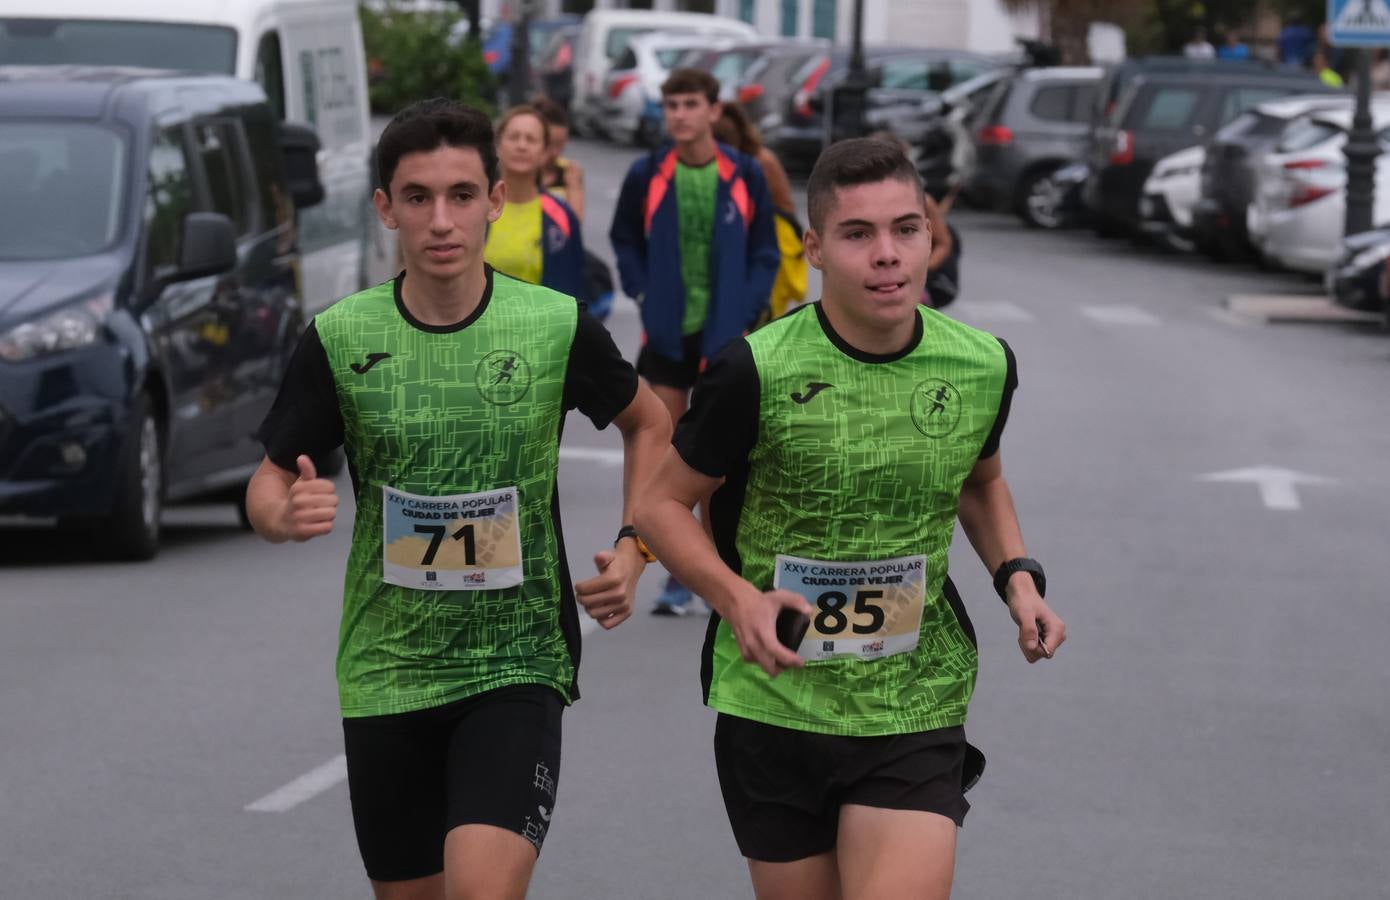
(91, 42)
(69, 178)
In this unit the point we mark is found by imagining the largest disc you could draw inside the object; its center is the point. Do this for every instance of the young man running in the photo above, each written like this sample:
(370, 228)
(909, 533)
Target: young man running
(693, 234)
(841, 443)
(459, 644)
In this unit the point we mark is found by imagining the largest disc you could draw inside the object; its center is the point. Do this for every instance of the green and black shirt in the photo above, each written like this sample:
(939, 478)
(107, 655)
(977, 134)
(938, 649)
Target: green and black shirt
(436, 411)
(835, 455)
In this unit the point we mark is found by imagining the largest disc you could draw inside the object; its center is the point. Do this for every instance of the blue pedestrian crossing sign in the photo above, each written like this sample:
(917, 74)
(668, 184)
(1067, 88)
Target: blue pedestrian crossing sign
(1358, 23)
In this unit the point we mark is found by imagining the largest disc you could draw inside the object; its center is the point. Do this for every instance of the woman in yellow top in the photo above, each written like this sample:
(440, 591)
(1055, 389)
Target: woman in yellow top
(537, 238)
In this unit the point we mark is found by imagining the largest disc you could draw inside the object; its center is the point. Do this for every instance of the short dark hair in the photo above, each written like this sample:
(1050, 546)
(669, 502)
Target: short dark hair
(691, 81)
(552, 112)
(429, 124)
(850, 163)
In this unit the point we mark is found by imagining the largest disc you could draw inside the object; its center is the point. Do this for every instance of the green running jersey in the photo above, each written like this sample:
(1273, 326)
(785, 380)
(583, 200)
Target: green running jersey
(856, 459)
(458, 410)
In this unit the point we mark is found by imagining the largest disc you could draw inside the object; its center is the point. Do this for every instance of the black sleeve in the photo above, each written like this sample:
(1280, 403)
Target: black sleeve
(1006, 400)
(717, 434)
(598, 382)
(306, 417)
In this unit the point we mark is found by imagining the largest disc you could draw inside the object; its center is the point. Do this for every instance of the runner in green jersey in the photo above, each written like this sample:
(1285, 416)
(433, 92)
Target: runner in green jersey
(841, 444)
(448, 387)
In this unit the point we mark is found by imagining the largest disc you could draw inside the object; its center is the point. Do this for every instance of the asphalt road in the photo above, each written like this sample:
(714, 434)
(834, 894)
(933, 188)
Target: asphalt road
(1216, 726)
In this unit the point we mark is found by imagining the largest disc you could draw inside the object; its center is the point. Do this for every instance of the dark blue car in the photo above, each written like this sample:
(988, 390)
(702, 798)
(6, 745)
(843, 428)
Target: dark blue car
(148, 295)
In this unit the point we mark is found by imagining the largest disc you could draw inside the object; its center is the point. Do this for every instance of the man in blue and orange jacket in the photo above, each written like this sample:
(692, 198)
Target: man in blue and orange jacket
(696, 247)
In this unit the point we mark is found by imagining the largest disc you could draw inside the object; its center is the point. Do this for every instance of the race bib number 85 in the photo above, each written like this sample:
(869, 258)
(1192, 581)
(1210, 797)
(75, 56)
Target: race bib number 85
(867, 610)
(462, 542)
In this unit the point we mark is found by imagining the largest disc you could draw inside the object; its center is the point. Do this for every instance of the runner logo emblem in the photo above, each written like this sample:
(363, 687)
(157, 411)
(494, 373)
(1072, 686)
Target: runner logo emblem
(503, 377)
(936, 407)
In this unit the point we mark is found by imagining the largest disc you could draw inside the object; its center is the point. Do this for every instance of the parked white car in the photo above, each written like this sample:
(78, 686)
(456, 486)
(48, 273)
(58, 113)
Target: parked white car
(1170, 195)
(605, 36)
(1299, 213)
(631, 108)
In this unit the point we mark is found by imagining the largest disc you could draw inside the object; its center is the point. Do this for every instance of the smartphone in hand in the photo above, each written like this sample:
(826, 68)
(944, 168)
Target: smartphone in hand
(791, 627)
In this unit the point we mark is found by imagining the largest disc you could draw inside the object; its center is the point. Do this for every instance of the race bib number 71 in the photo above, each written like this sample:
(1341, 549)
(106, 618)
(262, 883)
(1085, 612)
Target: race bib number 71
(462, 542)
(867, 610)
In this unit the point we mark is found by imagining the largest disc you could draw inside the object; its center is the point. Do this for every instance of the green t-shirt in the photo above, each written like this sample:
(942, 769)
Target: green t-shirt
(696, 188)
(835, 456)
(443, 412)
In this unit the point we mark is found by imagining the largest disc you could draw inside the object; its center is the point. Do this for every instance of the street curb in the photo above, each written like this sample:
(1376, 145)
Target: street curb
(1297, 308)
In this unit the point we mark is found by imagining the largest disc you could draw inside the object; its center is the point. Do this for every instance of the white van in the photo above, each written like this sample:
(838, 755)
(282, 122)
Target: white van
(604, 38)
(306, 54)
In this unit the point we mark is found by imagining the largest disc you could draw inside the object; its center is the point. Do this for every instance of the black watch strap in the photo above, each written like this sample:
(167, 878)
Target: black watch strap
(1012, 567)
(629, 531)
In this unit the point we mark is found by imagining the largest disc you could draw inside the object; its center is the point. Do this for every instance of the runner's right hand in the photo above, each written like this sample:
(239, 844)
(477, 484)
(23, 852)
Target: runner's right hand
(311, 505)
(753, 618)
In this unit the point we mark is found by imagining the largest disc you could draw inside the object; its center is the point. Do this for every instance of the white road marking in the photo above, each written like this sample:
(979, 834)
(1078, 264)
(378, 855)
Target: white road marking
(1278, 487)
(1227, 317)
(603, 457)
(1119, 315)
(305, 787)
(994, 311)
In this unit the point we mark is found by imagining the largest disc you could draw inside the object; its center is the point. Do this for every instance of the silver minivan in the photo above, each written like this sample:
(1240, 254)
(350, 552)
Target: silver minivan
(1032, 126)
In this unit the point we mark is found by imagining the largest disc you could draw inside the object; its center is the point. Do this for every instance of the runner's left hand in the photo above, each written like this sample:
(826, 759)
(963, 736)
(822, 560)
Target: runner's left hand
(1040, 630)
(608, 596)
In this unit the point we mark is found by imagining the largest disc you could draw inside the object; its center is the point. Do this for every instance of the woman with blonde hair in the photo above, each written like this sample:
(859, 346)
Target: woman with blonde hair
(537, 238)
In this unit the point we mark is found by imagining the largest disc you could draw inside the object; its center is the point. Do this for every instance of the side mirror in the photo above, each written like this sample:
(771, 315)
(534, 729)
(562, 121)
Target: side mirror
(299, 145)
(208, 247)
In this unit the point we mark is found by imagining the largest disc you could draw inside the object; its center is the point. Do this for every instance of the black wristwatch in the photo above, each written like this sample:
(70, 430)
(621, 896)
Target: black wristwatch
(628, 531)
(1014, 566)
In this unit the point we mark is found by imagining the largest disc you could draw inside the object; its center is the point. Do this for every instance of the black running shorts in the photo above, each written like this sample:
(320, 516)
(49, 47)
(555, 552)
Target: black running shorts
(783, 788)
(676, 373)
(493, 759)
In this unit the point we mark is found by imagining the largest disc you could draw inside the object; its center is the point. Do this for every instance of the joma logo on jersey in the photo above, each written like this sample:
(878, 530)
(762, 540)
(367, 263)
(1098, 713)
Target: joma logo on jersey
(935, 407)
(812, 389)
(372, 359)
(503, 377)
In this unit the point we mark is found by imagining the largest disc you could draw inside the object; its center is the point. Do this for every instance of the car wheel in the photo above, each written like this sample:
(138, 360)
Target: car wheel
(1040, 202)
(132, 529)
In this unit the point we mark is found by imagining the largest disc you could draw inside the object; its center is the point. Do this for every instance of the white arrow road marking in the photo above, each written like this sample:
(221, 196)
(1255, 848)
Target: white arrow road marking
(305, 787)
(593, 454)
(1118, 315)
(1278, 487)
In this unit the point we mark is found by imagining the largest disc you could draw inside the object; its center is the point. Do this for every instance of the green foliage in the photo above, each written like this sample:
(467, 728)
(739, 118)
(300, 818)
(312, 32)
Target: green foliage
(412, 56)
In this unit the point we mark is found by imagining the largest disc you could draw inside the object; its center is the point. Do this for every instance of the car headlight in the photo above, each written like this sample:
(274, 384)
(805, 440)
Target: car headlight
(75, 325)
(1371, 256)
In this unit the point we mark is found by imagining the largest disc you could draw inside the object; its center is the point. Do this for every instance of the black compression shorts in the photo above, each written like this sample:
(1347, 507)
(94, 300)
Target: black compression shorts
(493, 759)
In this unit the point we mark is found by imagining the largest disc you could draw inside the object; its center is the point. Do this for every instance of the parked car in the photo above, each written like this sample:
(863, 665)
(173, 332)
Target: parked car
(631, 110)
(1120, 76)
(604, 38)
(902, 78)
(946, 151)
(1299, 214)
(758, 74)
(1228, 171)
(497, 46)
(149, 300)
(307, 56)
(1361, 278)
(1034, 124)
(554, 71)
(1171, 194)
(1163, 113)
